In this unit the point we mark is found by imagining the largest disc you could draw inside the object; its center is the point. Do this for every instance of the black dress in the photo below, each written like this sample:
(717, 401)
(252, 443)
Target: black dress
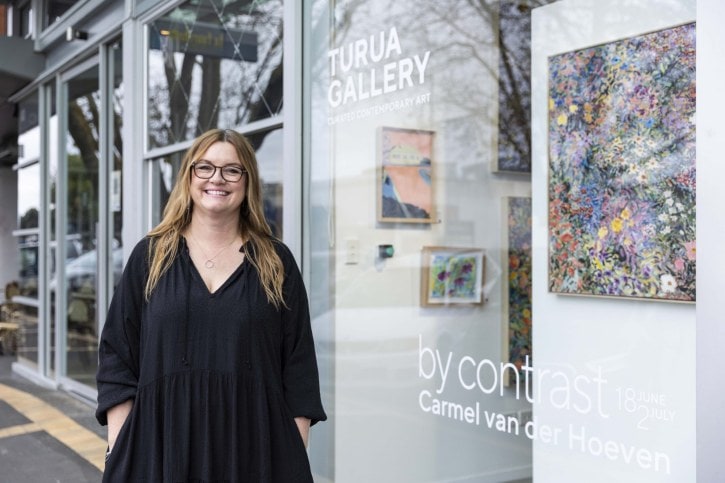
(216, 378)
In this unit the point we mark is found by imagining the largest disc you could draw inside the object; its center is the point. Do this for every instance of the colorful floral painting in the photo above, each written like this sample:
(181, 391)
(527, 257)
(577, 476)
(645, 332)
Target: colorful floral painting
(622, 168)
(406, 191)
(452, 276)
(518, 216)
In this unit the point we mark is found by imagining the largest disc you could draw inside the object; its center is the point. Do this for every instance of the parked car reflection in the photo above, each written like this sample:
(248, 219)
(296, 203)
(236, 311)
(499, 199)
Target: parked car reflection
(81, 271)
(81, 274)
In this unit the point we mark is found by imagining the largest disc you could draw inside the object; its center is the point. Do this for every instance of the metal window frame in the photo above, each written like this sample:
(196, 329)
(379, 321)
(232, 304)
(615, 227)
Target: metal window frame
(104, 65)
(290, 121)
(46, 36)
(292, 173)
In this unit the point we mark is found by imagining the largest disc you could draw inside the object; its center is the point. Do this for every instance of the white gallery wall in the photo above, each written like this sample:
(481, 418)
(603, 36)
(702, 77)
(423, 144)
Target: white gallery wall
(634, 360)
(710, 233)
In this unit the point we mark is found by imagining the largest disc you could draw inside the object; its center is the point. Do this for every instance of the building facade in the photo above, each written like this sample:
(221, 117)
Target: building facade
(494, 204)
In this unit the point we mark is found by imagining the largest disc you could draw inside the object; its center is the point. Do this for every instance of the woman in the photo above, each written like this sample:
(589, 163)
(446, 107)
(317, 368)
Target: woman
(207, 366)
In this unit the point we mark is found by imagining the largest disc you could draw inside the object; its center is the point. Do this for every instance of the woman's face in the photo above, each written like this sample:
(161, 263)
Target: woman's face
(217, 195)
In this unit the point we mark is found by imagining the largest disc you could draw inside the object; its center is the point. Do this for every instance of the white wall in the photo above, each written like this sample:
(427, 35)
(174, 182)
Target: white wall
(619, 345)
(711, 233)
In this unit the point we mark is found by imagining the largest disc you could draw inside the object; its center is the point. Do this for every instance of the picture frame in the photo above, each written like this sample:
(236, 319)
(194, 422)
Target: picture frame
(517, 276)
(452, 276)
(405, 176)
(621, 174)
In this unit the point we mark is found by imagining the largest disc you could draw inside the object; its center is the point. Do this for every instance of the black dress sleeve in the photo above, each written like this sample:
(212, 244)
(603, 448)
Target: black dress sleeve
(300, 377)
(118, 352)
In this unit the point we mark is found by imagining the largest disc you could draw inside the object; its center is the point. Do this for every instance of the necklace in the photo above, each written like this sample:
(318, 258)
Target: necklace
(210, 260)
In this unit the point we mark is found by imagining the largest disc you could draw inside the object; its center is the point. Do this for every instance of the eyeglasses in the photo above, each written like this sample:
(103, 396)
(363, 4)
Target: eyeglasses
(231, 173)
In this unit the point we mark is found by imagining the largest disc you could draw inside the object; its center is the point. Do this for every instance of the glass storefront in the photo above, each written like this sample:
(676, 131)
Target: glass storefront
(69, 217)
(498, 218)
(25, 313)
(428, 338)
(450, 349)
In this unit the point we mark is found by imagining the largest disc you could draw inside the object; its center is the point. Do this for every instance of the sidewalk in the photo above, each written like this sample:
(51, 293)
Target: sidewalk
(46, 435)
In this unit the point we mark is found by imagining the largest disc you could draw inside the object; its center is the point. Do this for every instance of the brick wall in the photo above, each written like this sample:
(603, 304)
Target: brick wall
(3, 20)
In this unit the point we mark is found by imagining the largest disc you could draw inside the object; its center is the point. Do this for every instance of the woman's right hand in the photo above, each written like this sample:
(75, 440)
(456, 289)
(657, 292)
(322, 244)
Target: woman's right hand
(116, 417)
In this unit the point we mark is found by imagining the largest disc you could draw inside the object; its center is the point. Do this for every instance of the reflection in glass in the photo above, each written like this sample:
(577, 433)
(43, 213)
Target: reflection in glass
(82, 158)
(55, 9)
(28, 214)
(165, 172)
(52, 140)
(514, 92)
(116, 182)
(213, 64)
(25, 340)
(27, 16)
(374, 340)
(268, 147)
(28, 196)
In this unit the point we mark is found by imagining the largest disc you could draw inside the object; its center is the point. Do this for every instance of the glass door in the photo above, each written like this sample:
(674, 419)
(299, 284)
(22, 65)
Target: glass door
(87, 189)
(81, 136)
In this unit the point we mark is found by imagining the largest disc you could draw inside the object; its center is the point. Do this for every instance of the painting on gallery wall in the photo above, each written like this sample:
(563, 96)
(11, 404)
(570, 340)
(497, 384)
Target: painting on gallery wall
(452, 276)
(621, 188)
(517, 292)
(405, 183)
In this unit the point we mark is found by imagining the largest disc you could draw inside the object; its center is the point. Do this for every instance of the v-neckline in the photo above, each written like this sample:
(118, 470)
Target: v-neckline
(226, 282)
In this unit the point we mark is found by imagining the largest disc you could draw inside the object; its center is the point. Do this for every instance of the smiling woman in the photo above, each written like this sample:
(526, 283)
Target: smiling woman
(218, 184)
(240, 331)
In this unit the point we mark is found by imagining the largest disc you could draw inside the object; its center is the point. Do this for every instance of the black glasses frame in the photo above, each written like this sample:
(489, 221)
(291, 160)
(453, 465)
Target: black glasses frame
(220, 168)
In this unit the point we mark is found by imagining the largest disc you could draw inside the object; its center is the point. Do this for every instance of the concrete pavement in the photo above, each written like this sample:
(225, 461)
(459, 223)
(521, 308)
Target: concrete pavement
(46, 435)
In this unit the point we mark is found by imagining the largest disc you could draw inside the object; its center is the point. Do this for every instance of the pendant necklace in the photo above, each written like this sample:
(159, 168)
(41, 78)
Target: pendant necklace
(210, 260)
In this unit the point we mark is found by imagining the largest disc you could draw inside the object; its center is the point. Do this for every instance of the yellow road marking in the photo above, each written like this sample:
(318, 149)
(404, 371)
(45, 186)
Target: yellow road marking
(19, 429)
(45, 417)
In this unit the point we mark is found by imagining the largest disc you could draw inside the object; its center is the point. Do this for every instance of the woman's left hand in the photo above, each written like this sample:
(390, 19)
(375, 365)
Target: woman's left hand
(303, 424)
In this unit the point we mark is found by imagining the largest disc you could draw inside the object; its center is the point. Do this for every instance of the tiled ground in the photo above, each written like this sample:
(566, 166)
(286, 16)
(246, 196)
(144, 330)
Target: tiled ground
(46, 435)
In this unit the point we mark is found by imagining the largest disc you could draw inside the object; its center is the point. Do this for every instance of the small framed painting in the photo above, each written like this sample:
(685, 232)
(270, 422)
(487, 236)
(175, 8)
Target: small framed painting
(405, 182)
(452, 276)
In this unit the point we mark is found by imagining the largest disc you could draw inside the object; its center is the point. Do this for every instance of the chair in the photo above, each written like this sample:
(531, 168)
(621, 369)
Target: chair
(8, 328)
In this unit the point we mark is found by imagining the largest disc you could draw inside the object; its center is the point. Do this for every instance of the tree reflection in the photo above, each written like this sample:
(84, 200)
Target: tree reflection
(214, 65)
(475, 44)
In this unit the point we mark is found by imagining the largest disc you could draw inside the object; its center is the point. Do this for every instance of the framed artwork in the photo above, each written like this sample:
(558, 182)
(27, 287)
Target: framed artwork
(452, 276)
(621, 188)
(405, 183)
(517, 273)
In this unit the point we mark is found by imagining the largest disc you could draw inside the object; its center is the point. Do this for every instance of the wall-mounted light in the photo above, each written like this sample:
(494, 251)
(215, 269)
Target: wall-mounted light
(72, 34)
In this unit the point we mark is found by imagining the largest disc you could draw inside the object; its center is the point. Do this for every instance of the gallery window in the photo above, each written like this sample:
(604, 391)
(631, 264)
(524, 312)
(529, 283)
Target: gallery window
(420, 213)
(501, 215)
(216, 65)
(213, 64)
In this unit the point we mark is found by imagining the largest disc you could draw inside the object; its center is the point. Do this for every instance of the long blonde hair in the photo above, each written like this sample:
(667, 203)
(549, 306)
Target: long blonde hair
(165, 237)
